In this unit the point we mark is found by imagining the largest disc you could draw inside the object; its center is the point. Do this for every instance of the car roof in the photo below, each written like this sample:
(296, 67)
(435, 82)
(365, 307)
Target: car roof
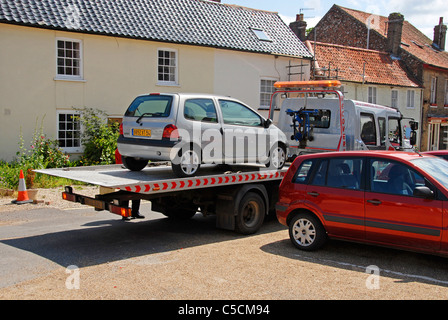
(187, 94)
(397, 155)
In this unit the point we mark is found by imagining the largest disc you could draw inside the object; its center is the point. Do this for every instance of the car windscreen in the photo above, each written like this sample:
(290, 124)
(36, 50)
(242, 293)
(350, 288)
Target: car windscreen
(435, 167)
(158, 106)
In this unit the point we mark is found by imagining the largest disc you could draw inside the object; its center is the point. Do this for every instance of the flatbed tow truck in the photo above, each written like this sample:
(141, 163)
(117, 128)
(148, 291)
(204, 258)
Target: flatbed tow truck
(239, 195)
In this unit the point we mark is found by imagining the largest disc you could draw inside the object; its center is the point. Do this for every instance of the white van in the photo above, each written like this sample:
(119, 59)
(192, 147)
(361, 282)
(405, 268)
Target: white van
(315, 118)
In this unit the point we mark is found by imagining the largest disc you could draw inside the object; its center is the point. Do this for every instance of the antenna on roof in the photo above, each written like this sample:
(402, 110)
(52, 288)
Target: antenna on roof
(303, 9)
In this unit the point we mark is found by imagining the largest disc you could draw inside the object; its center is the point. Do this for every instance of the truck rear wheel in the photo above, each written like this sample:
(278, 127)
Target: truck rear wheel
(251, 214)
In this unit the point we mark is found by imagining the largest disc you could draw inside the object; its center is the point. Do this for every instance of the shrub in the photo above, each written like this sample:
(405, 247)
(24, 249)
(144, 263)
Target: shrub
(99, 138)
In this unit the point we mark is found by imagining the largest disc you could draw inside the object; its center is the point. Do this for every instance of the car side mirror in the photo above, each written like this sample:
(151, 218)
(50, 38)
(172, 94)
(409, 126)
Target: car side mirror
(413, 138)
(414, 125)
(267, 123)
(423, 192)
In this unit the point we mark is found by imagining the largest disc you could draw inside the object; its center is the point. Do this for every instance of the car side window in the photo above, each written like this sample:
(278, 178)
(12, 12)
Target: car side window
(392, 177)
(200, 110)
(238, 114)
(339, 173)
(303, 173)
(368, 131)
(345, 173)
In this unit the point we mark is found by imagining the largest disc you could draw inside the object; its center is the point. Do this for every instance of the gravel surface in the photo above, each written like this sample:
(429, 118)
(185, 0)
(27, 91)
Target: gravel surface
(47, 198)
(159, 259)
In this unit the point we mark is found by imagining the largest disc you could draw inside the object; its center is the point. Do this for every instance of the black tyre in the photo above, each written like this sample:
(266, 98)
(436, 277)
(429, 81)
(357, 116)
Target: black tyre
(187, 162)
(251, 213)
(134, 164)
(306, 232)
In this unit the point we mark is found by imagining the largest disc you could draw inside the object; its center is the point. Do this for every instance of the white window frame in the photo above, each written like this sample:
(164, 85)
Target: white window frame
(371, 96)
(175, 81)
(264, 94)
(60, 76)
(410, 99)
(433, 97)
(394, 98)
(78, 149)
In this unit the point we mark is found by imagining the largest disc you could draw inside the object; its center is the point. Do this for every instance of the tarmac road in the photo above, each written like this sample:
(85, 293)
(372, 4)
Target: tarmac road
(158, 258)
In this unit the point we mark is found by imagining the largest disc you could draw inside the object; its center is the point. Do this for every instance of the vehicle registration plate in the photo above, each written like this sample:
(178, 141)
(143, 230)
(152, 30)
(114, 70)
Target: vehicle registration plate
(141, 132)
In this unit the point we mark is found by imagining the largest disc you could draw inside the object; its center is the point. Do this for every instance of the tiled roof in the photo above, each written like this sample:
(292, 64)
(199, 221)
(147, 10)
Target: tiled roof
(195, 22)
(379, 67)
(413, 40)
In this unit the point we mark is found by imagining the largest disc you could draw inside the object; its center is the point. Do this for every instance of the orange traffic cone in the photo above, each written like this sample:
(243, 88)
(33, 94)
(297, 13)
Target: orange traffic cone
(23, 195)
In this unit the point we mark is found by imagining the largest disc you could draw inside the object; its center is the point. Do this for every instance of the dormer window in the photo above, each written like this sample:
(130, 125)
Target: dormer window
(261, 35)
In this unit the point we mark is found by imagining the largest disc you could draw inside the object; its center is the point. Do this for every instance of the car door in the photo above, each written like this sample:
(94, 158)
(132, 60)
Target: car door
(201, 122)
(393, 214)
(245, 138)
(336, 191)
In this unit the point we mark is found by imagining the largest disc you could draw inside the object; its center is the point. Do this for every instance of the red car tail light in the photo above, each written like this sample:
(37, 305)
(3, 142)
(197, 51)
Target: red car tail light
(170, 132)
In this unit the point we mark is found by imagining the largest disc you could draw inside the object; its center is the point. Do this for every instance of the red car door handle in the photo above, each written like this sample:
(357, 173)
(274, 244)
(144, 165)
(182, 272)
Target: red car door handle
(374, 202)
(314, 194)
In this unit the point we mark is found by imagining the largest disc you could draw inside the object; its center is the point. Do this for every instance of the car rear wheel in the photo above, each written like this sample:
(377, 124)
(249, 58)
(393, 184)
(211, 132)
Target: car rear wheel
(187, 163)
(306, 232)
(134, 164)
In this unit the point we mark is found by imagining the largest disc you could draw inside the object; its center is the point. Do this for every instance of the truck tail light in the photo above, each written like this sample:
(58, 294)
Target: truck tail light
(121, 128)
(170, 132)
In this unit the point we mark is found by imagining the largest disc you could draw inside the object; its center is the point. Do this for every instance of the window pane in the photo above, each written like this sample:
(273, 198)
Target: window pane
(393, 178)
(303, 173)
(235, 113)
(368, 132)
(345, 173)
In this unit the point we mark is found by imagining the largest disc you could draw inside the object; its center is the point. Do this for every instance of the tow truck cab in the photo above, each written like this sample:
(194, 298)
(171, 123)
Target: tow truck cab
(315, 117)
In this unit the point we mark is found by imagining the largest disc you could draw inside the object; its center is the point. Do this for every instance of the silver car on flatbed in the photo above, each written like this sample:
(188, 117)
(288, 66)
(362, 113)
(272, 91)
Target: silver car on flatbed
(190, 129)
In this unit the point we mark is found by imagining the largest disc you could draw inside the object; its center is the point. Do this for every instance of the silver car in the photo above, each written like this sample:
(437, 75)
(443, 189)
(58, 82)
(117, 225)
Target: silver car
(191, 129)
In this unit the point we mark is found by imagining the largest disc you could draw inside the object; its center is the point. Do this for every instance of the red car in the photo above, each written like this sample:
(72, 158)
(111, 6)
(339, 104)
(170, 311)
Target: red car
(388, 198)
(438, 153)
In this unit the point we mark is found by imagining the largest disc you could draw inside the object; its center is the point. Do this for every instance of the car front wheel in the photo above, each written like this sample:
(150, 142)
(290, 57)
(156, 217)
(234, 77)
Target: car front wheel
(277, 157)
(306, 232)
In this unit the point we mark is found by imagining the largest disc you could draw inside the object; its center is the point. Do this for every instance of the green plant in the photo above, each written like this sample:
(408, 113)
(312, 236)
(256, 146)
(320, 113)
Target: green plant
(42, 153)
(99, 138)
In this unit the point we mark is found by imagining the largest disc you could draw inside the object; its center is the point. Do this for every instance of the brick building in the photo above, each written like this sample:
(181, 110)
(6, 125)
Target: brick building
(424, 59)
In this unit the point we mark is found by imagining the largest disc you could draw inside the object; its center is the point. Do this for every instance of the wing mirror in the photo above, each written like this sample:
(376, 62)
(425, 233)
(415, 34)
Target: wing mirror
(267, 123)
(423, 192)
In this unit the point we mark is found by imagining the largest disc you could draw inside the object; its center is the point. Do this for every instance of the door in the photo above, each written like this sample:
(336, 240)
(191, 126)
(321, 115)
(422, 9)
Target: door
(245, 138)
(336, 192)
(203, 127)
(393, 215)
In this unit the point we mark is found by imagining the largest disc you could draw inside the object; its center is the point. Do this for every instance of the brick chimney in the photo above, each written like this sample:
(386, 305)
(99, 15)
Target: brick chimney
(299, 27)
(394, 30)
(440, 34)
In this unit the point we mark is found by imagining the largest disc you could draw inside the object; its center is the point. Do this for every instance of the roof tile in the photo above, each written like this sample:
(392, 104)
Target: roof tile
(196, 22)
(379, 67)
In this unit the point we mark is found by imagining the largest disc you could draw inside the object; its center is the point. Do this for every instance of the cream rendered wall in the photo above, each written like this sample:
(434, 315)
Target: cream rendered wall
(115, 70)
(238, 74)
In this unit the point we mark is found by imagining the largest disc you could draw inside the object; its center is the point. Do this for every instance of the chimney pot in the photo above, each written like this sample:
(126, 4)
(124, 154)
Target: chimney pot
(299, 27)
(440, 35)
(394, 31)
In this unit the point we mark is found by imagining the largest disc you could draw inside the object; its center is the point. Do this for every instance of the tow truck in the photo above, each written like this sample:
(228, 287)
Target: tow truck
(239, 195)
(242, 195)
